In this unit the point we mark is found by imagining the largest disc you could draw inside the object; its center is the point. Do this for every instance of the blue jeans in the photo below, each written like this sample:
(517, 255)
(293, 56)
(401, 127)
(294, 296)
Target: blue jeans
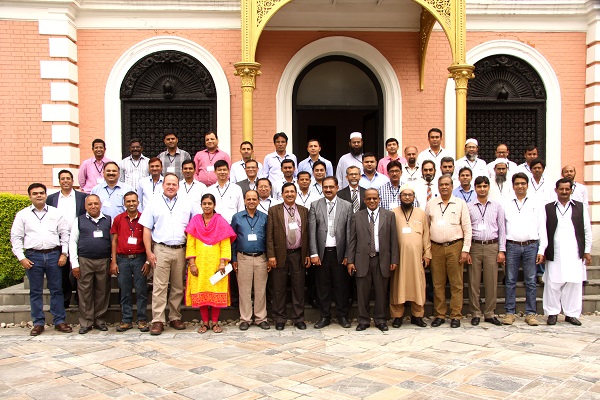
(45, 263)
(130, 275)
(517, 256)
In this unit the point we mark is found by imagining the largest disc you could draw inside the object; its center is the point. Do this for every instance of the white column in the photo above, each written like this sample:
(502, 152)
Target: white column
(59, 69)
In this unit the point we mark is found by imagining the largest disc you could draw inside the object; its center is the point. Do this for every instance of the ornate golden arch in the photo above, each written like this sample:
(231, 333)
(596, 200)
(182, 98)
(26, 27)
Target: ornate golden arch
(450, 14)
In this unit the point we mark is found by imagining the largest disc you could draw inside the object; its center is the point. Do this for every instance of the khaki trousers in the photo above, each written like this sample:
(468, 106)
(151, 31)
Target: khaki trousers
(416, 310)
(93, 289)
(170, 267)
(483, 257)
(252, 271)
(445, 266)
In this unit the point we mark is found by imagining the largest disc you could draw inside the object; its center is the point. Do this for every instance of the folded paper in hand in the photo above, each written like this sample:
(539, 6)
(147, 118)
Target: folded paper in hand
(218, 275)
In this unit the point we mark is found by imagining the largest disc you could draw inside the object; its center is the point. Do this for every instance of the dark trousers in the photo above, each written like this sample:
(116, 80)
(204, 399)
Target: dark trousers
(68, 283)
(130, 276)
(94, 290)
(333, 283)
(363, 284)
(45, 263)
(295, 269)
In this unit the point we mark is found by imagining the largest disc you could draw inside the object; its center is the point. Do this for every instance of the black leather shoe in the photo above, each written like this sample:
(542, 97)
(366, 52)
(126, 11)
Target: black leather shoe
(300, 325)
(418, 321)
(361, 327)
(101, 327)
(279, 326)
(454, 323)
(552, 319)
(573, 321)
(244, 326)
(437, 322)
(494, 321)
(475, 321)
(84, 329)
(382, 327)
(343, 321)
(322, 323)
(264, 325)
(397, 323)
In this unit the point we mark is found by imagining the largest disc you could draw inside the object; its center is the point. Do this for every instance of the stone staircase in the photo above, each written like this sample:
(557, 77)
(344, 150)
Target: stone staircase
(14, 301)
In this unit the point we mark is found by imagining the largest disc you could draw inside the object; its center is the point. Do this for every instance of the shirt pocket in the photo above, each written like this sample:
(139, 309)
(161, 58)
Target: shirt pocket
(453, 218)
(417, 227)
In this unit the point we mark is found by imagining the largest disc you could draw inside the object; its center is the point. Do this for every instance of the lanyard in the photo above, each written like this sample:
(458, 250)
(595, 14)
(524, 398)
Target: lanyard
(35, 213)
(316, 186)
(444, 210)
(539, 186)
(171, 159)
(248, 220)
(263, 207)
(484, 210)
(462, 193)
(413, 174)
(332, 207)
(132, 163)
(517, 204)
(101, 168)
(304, 200)
(210, 160)
(566, 209)
(132, 224)
(374, 217)
(409, 215)
(433, 154)
(154, 184)
(167, 203)
(110, 193)
(185, 186)
(471, 166)
(225, 191)
(291, 211)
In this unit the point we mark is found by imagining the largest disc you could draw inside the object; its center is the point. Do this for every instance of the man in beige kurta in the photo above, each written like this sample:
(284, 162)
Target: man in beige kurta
(408, 281)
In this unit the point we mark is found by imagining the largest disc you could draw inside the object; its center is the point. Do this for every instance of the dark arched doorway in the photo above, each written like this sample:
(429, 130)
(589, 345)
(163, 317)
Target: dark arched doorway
(506, 103)
(163, 91)
(334, 96)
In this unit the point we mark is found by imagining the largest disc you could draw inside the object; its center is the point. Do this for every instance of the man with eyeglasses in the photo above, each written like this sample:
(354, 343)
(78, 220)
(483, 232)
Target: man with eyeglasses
(502, 153)
(390, 192)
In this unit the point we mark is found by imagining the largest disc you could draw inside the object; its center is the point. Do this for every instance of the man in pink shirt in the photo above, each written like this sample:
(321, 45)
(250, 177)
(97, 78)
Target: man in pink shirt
(391, 145)
(205, 160)
(91, 171)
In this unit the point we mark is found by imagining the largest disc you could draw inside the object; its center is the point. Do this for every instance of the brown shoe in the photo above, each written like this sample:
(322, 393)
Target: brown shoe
(64, 328)
(157, 328)
(177, 324)
(124, 326)
(143, 326)
(37, 330)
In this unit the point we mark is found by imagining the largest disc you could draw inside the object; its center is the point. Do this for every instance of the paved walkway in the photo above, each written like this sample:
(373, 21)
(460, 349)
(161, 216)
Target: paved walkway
(515, 362)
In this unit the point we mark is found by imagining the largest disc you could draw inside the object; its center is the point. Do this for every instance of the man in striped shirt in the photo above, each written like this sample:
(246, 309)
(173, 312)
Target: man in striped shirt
(487, 251)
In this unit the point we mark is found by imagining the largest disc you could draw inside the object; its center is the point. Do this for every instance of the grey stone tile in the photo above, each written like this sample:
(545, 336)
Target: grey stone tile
(358, 387)
(71, 372)
(284, 368)
(502, 383)
(201, 370)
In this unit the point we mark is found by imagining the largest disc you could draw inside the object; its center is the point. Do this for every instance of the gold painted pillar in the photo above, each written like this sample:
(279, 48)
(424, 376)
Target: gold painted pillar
(247, 71)
(461, 73)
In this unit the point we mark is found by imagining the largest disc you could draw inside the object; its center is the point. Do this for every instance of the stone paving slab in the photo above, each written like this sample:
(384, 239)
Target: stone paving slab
(507, 362)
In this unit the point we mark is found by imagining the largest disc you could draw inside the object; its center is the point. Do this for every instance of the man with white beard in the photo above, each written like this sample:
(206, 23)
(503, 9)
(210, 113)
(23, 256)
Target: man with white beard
(500, 187)
(477, 166)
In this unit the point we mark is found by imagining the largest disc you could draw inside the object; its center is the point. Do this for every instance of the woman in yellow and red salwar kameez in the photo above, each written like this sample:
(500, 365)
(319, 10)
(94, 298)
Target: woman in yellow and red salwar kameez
(208, 250)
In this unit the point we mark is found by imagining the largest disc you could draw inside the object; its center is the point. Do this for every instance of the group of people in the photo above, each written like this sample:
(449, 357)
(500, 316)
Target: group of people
(199, 230)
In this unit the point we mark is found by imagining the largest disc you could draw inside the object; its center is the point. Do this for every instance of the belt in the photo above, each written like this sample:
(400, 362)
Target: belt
(131, 256)
(260, 253)
(526, 243)
(290, 251)
(492, 241)
(57, 248)
(330, 248)
(173, 246)
(374, 254)
(447, 243)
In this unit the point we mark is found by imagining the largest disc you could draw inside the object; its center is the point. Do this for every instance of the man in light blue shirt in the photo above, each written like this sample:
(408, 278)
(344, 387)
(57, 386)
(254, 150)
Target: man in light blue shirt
(272, 165)
(164, 221)
(314, 150)
(370, 178)
(465, 191)
(111, 191)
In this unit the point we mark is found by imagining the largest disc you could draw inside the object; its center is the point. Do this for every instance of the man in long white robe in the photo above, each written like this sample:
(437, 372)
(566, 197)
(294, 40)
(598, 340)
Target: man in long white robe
(568, 252)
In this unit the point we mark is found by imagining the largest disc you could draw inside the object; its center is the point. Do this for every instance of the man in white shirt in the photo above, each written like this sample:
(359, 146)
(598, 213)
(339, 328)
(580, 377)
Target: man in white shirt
(40, 241)
(238, 168)
(314, 154)
(150, 186)
(305, 195)
(319, 173)
(370, 178)
(190, 188)
(273, 161)
(229, 196)
(580, 192)
(525, 245)
(288, 171)
(539, 189)
(134, 167)
(354, 157)
(412, 170)
(530, 154)
(425, 187)
(471, 160)
(435, 152)
(500, 182)
(164, 222)
(502, 153)
(447, 168)
(265, 201)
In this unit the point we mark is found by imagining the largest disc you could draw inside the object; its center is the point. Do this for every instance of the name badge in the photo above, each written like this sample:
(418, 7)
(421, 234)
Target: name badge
(406, 229)
(131, 240)
(293, 225)
(441, 222)
(171, 169)
(481, 227)
(210, 168)
(394, 204)
(99, 180)
(252, 237)
(97, 234)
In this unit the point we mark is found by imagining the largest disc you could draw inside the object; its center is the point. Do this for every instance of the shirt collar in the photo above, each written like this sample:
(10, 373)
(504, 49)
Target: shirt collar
(32, 208)
(95, 219)
(62, 196)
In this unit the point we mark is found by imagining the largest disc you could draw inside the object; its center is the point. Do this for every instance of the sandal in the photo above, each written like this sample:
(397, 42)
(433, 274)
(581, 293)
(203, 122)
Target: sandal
(203, 329)
(217, 328)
